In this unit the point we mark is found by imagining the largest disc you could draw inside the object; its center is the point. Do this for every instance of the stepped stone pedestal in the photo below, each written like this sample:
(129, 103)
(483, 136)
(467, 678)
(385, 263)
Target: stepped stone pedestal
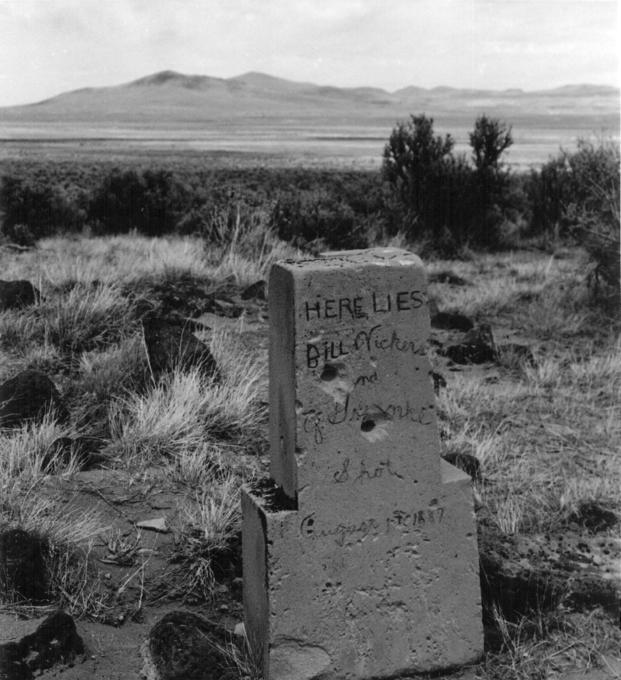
(360, 554)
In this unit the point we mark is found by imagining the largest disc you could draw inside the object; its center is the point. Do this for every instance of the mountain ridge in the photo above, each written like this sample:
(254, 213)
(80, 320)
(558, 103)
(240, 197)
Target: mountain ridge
(171, 98)
(258, 79)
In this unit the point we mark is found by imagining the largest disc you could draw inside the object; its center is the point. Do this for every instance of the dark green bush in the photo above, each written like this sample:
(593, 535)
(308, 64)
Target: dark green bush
(38, 205)
(314, 218)
(440, 197)
(150, 202)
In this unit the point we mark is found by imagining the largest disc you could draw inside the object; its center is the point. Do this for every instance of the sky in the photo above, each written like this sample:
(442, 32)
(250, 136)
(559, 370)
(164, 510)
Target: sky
(53, 46)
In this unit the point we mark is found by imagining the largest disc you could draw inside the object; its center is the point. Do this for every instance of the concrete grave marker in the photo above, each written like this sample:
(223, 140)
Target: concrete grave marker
(360, 554)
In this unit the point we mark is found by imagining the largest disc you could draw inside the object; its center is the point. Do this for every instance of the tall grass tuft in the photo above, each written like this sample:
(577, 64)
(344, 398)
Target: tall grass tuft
(185, 409)
(82, 319)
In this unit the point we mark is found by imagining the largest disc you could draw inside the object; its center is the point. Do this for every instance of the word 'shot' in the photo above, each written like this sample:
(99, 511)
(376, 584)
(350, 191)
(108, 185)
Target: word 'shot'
(362, 561)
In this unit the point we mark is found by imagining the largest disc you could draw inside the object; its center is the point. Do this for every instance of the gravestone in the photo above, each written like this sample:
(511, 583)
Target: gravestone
(360, 555)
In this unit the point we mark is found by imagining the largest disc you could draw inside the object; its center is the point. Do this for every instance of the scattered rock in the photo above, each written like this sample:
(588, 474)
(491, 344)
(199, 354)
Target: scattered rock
(451, 321)
(592, 516)
(17, 294)
(83, 449)
(157, 524)
(439, 381)
(478, 347)
(184, 646)
(28, 396)
(257, 291)
(226, 308)
(23, 571)
(170, 344)
(29, 647)
(447, 276)
(466, 462)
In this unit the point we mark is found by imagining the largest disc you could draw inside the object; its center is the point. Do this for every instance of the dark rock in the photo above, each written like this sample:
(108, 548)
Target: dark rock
(592, 516)
(451, 321)
(170, 344)
(23, 571)
(256, 291)
(227, 308)
(38, 644)
(439, 381)
(175, 292)
(478, 347)
(447, 276)
(84, 449)
(17, 294)
(184, 646)
(465, 462)
(28, 396)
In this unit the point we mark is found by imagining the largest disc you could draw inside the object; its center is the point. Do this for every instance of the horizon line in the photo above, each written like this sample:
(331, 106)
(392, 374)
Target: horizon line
(174, 73)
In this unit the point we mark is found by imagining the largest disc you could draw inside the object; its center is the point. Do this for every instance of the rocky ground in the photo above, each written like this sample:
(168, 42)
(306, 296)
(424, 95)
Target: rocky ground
(550, 586)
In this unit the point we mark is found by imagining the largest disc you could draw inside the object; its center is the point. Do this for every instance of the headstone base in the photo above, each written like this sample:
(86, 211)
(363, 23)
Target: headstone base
(387, 596)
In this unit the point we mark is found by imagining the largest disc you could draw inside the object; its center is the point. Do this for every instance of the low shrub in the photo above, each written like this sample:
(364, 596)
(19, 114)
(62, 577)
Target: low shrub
(33, 209)
(150, 202)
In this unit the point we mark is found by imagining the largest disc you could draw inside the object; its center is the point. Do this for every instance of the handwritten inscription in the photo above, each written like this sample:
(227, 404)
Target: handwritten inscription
(370, 379)
(328, 351)
(359, 307)
(359, 472)
(345, 534)
(347, 412)
(315, 421)
(375, 339)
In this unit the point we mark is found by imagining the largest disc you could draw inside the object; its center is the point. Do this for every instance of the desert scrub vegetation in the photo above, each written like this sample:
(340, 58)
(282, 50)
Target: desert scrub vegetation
(73, 321)
(424, 191)
(60, 535)
(547, 436)
(177, 415)
(85, 333)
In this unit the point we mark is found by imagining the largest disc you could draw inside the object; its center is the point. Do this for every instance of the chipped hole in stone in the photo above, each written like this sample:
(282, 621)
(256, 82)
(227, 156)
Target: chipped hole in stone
(367, 424)
(330, 372)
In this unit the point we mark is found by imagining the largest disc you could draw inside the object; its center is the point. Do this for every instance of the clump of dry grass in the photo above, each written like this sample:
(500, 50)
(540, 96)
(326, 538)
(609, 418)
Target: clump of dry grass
(546, 442)
(552, 644)
(66, 532)
(208, 524)
(247, 251)
(177, 415)
(78, 320)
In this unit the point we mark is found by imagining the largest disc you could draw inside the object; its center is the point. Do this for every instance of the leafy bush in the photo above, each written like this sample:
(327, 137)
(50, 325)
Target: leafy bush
(577, 194)
(34, 204)
(150, 202)
(317, 219)
(440, 195)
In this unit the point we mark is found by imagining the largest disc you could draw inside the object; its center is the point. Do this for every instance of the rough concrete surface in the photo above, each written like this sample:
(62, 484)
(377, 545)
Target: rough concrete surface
(376, 571)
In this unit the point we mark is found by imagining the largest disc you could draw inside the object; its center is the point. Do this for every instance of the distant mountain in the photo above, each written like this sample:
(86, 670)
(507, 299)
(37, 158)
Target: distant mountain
(169, 98)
